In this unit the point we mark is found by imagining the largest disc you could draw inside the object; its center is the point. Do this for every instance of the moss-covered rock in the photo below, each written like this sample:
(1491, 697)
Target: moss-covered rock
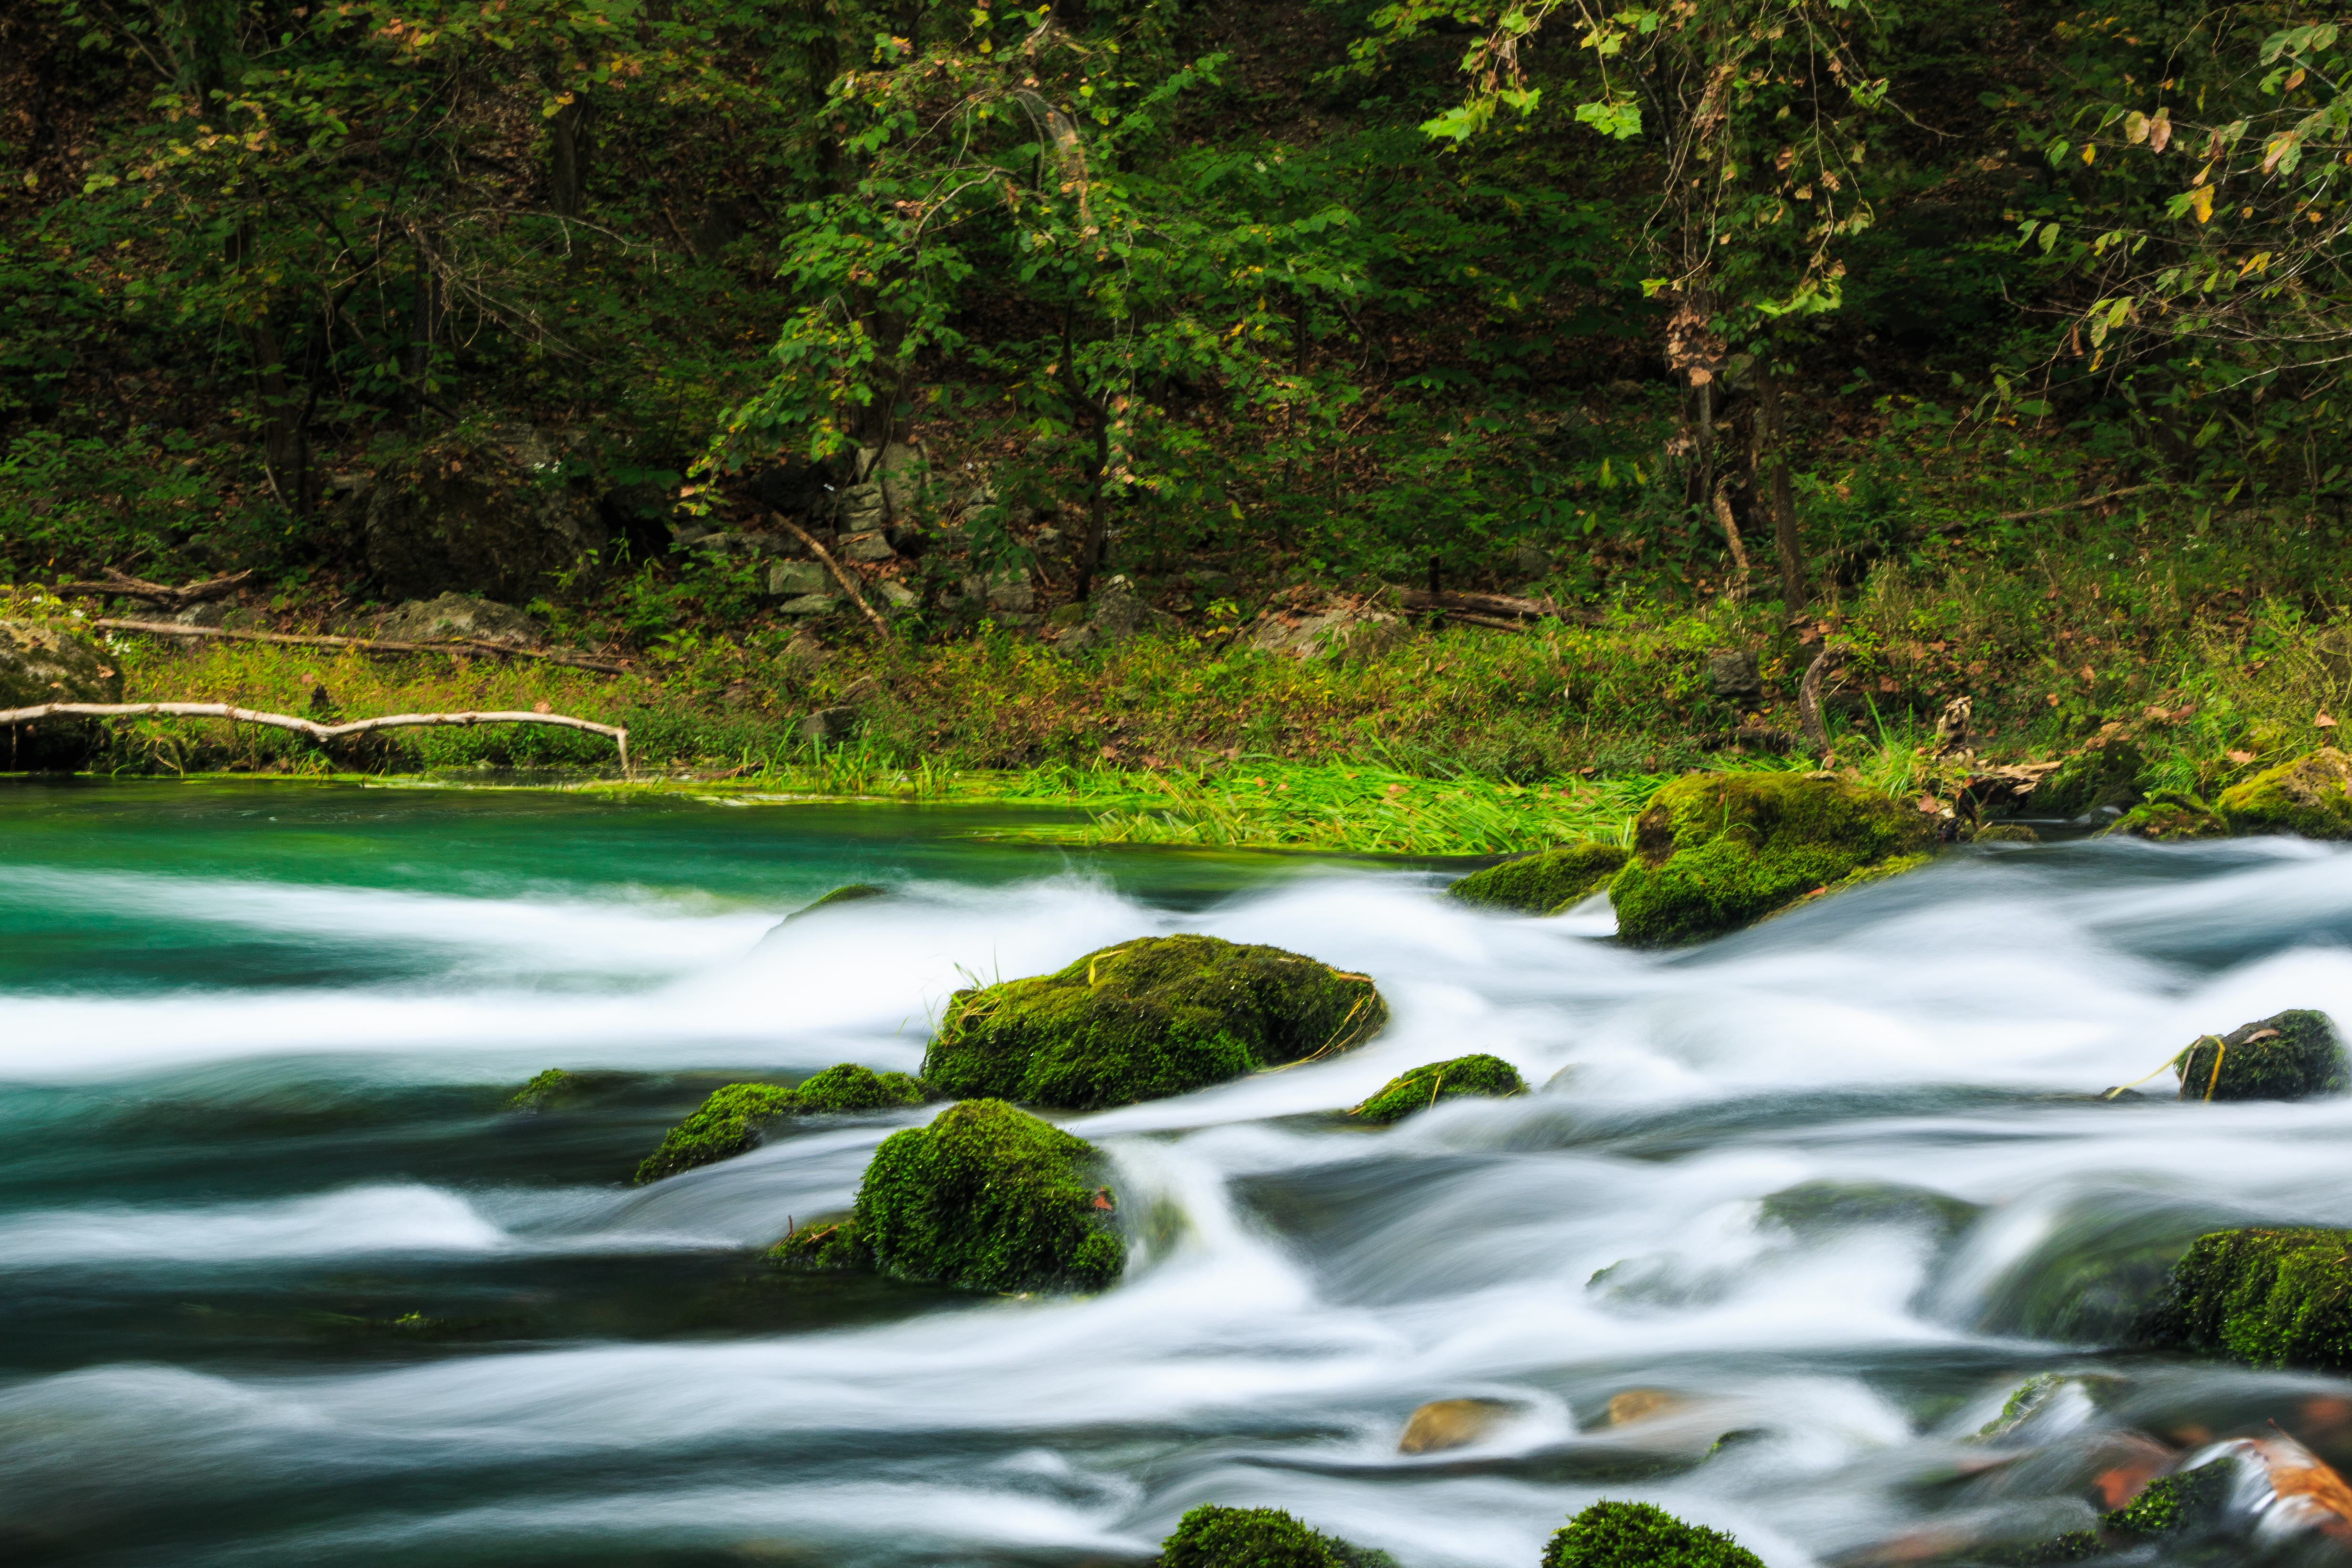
(832, 1244)
(1546, 882)
(2307, 797)
(988, 1197)
(2172, 1505)
(1637, 1535)
(1214, 1537)
(2005, 832)
(1823, 1208)
(849, 893)
(550, 1090)
(1146, 1019)
(2105, 773)
(2287, 1056)
(2266, 1298)
(1713, 852)
(2171, 816)
(1425, 1086)
(732, 1121)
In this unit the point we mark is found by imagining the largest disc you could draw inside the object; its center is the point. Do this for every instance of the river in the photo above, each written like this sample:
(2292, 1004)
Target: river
(258, 1038)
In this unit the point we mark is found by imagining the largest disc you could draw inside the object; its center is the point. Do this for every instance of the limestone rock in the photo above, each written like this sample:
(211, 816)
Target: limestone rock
(866, 547)
(1115, 613)
(42, 664)
(456, 615)
(2307, 797)
(1341, 634)
(1732, 676)
(1145, 1019)
(860, 509)
(1713, 852)
(828, 725)
(2288, 1056)
(799, 579)
(1003, 591)
(482, 518)
(1544, 883)
(1444, 1423)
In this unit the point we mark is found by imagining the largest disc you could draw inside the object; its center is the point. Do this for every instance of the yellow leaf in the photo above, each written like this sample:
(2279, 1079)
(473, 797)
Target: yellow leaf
(2134, 128)
(2201, 202)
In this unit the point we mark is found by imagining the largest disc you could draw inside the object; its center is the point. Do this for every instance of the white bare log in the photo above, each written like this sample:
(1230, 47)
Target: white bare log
(310, 727)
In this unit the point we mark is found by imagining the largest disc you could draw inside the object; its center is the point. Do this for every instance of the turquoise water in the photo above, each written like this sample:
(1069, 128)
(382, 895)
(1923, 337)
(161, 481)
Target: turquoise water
(287, 1284)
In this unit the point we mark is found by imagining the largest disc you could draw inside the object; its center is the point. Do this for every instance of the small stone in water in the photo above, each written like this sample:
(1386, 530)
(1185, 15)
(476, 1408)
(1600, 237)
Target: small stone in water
(1444, 1423)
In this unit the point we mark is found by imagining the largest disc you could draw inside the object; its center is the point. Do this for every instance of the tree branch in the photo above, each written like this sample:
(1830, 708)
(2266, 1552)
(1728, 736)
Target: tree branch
(848, 584)
(310, 727)
(367, 645)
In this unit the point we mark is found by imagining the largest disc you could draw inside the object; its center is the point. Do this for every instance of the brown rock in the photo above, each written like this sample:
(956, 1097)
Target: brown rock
(1642, 1405)
(1452, 1424)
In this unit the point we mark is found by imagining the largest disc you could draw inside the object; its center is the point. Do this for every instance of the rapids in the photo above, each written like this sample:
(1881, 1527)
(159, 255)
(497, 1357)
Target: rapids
(254, 1042)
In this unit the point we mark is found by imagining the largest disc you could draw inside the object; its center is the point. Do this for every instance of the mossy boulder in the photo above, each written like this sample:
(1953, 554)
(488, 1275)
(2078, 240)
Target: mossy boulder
(985, 1198)
(849, 893)
(1544, 883)
(1425, 1086)
(2307, 797)
(550, 1090)
(2171, 816)
(2189, 1502)
(1713, 852)
(1146, 1019)
(2266, 1298)
(1638, 1535)
(2287, 1056)
(735, 1118)
(1213, 1537)
(2105, 773)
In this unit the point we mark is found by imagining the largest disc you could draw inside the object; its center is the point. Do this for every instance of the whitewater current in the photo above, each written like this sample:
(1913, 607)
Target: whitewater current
(251, 1120)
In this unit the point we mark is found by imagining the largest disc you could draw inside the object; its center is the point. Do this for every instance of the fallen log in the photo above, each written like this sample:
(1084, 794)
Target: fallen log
(367, 645)
(840, 575)
(1465, 607)
(121, 584)
(310, 727)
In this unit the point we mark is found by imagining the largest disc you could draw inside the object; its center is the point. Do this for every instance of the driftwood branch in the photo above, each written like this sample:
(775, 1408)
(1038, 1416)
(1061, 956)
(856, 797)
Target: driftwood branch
(123, 585)
(1808, 698)
(1963, 524)
(840, 573)
(366, 645)
(1731, 537)
(310, 727)
(1480, 609)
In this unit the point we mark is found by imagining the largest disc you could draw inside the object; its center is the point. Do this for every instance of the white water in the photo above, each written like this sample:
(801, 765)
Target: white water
(1297, 1286)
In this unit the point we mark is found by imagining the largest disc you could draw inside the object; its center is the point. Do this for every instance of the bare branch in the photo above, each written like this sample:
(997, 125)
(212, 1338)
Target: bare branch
(367, 645)
(310, 727)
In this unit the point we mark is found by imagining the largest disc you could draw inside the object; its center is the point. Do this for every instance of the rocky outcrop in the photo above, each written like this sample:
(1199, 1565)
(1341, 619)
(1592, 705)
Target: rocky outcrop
(1145, 1019)
(40, 663)
(1546, 882)
(2288, 1056)
(456, 615)
(1713, 852)
(1116, 614)
(490, 518)
(1341, 634)
(1638, 1535)
(2310, 796)
(1425, 1086)
(1214, 1537)
(736, 1117)
(986, 1197)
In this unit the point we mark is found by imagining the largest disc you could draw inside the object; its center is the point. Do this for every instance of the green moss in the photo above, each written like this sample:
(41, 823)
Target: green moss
(2266, 1298)
(989, 1197)
(732, 1120)
(1821, 1207)
(1425, 1086)
(2169, 816)
(2029, 1397)
(830, 1246)
(849, 1087)
(2288, 1056)
(1213, 1537)
(1147, 1020)
(2104, 773)
(1636, 1535)
(2307, 797)
(2170, 1504)
(2075, 1546)
(550, 1090)
(2006, 833)
(1544, 883)
(1713, 852)
(852, 893)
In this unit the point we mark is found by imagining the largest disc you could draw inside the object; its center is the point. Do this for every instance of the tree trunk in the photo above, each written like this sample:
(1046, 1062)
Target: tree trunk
(1784, 504)
(568, 153)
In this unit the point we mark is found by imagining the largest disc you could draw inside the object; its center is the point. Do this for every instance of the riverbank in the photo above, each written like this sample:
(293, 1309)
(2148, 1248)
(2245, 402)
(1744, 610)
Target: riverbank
(1431, 737)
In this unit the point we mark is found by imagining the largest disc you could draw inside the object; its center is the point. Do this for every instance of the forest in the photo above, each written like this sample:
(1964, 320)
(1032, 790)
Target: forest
(2001, 346)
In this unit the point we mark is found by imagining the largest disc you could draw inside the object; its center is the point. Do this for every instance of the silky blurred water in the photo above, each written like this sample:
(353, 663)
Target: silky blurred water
(257, 1040)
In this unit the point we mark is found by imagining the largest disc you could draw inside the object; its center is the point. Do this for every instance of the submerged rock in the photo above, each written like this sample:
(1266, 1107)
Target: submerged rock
(2042, 1392)
(1713, 852)
(2306, 796)
(2266, 1298)
(1632, 1405)
(2288, 1056)
(1443, 1423)
(549, 1091)
(733, 1119)
(1815, 1208)
(1546, 882)
(1146, 1019)
(1637, 1535)
(1214, 1537)
(985, 1198)
(850, 893)
(1425, 1086)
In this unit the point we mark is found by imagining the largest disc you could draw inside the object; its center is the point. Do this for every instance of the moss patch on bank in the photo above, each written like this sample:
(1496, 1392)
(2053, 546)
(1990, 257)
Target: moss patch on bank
(1146, 1019)
(1713, 852)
